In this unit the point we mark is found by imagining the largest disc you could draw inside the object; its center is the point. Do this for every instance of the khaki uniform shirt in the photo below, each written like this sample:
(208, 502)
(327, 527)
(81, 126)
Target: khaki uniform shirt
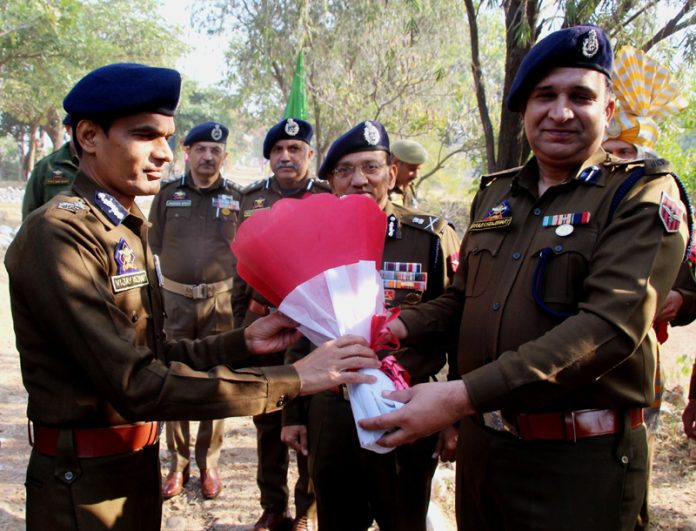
(611, 274)
(88, 319)
(262, 195)
(420, 257)
(192, 230)
(51, 175)
(404, 197)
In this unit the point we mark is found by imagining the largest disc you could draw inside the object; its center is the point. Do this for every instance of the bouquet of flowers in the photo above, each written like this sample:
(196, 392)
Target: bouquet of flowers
(317, 260)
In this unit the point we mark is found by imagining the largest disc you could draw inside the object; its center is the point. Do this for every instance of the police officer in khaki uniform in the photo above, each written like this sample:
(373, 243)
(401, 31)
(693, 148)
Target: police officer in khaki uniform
(287, 147)
(193, 223)
(355, 486)
(562, 270)
(51, 175)
(88, 319)
(407, 156)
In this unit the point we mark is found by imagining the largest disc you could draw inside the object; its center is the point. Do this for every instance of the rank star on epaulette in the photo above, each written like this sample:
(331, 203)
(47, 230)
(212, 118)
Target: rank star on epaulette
(670, 213)
(72, 206)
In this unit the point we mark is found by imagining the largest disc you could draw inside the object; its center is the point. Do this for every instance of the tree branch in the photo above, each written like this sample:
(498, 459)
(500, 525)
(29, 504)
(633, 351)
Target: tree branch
(477, 75)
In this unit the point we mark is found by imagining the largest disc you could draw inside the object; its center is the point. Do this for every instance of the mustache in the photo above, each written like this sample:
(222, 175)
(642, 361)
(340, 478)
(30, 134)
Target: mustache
(282, 165)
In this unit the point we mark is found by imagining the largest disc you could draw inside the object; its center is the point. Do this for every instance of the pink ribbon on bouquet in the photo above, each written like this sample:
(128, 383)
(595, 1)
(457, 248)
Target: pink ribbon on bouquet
(383, 339)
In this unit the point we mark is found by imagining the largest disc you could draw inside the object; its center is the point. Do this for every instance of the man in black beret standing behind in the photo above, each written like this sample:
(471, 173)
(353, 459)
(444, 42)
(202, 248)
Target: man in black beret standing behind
(88, 319)
(193, 223)
(287, 147)
(564, 265)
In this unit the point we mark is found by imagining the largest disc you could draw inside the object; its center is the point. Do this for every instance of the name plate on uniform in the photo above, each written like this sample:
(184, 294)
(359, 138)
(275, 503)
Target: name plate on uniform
(136, 279)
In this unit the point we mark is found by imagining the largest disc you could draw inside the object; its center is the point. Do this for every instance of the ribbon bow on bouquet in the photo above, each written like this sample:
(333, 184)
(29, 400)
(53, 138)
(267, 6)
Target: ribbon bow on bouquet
(317, 260)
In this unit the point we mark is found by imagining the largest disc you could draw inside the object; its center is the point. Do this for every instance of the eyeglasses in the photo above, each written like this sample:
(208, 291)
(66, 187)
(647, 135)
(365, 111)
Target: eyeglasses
(367, 169)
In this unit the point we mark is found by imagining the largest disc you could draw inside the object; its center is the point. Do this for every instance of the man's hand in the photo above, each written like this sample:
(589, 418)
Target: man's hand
(671, 307)
(428, 408)
(333, 364)
(296, 438)
(689, 419)
(273, 333)
(398, 328)
(446, 448)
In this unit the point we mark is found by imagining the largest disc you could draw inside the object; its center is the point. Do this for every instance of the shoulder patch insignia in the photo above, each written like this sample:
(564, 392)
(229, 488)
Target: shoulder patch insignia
(670, 213)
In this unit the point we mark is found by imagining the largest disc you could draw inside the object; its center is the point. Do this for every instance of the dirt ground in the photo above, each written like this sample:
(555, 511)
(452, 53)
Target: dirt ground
(673, 501)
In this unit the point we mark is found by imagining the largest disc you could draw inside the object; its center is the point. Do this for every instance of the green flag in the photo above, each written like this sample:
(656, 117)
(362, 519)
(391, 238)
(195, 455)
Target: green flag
(297, 101)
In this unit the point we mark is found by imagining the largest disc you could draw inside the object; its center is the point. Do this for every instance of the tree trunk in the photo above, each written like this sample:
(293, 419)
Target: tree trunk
(31, 154)
(513, 148)
(477, 74)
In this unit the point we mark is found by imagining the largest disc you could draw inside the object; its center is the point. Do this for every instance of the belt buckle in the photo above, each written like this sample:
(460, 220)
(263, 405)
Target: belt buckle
(199, 291)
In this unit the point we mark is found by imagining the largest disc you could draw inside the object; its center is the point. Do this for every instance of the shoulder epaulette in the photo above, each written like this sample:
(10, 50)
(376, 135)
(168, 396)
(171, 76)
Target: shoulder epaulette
(657, 166)
(256, 185)
(421, 220)
(169, 180)
(236, 187)
(318, 183)
(490, 178)
(73, 205)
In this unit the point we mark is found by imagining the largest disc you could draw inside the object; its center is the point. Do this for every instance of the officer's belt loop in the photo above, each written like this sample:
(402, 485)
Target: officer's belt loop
(68, 467)
(198, 291)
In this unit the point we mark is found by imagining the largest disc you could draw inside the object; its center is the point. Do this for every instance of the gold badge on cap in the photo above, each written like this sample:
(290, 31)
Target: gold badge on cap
(216, 133)
(371, 134)
(292, 127)
(590, 44)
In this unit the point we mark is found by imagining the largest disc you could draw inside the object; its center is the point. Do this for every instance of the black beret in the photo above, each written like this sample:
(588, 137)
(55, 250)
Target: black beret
(207, 132)
(67, 120)
(366, 136)
(124, 89)
(576, 47)
(288, 129)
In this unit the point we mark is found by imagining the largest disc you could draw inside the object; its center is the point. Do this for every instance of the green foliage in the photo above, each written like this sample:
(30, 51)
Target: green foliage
(47, 45)
(677, 143)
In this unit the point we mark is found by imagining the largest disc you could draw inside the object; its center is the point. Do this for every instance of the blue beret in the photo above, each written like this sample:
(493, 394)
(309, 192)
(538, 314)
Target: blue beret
(366, 136)
(67, 120)
(207, 132)
(576, 47)
(124, 89)
(288, 129)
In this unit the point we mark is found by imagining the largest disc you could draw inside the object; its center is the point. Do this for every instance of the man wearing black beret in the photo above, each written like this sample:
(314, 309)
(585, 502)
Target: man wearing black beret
(565, 263)
(354, 486)
(89, 323)
(287, 147)
(193, 223)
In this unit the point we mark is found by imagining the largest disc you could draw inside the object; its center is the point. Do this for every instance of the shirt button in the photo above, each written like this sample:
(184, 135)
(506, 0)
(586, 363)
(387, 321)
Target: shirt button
(516, 255)
(496, 306)
(537, 212)
(282, 401)
(558, 248)
(68, 476)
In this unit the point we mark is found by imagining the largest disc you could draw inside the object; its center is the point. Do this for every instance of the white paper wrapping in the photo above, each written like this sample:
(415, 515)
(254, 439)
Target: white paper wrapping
(342, 301)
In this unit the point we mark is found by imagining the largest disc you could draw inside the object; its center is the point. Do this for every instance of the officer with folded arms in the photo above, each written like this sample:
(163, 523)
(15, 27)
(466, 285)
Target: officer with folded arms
(88, 319)
(564, 266)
